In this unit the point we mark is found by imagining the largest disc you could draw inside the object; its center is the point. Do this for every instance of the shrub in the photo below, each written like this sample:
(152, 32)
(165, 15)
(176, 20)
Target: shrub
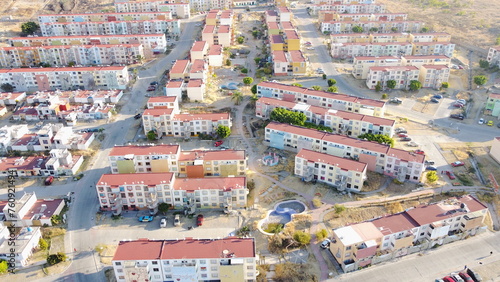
(244, 70)
(228, 62)
(317, 202)
(385, 96)
(302, 237)
(274, 228)
(322, 234)
(43, 244)
(339, 208)
(432, 176)
(445, 85)
(3, 266)
(56, 258)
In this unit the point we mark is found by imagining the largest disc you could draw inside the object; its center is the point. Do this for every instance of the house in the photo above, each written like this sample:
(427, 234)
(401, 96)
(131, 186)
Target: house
(284, 14)
(495, 149)
(8, 134)
(61, 162)
(12, 98)
(31, 211)
(381, 49)
(107, 77)
(198, 70)
(433, 76)
(198, 51)
(494, 56)
(119, 192)
(277, 43)
(227, 259)
(402, 75)
(280, 63)
(493, 104)
(334, 171)
(215, 56)
(141, 159)
(397, 163)
(199, 163)
(291, 39)
(323, 99)
(414, 230)
(26, 114)
(341, 122)
(219, 17)
(180, 70)
(26, 241)
(179, 10)
(175, 88)
(223, 36)
(28, 142)
(195, 90)
(271, 16)
(362, 64)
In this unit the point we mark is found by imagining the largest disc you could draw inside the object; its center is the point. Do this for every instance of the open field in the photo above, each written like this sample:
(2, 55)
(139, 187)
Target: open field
(469, 22)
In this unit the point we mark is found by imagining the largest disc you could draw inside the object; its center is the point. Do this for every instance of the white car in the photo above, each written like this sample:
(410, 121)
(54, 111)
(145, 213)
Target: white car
(310, 48)
(163, 222)
(481, 121)
(325, 244)
(177, 220)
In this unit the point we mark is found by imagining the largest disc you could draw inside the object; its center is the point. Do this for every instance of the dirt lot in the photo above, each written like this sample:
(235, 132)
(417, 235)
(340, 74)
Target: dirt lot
(469, 22)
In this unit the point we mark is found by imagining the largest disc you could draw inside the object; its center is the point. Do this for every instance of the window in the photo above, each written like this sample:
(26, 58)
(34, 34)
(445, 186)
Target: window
(118, 263)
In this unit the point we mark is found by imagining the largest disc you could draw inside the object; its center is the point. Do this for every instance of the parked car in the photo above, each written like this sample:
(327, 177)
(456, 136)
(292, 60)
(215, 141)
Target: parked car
(154, 83)
(437, 96)
(419, 152)
(450, 174)
(308, 43)
(457, 163)
(458, 105)
(395, 101)
(151, 88)
(405, 139)
(481, 121)
(490, 123)
(224, 147)
(310, 48)
(199, 220)
(431, 167)
(146, 218)
(411, 144)
(448, 279)
(49, 180)
(457, 116)
(218, 143)
(457, 278)
(325, 244)
(429, 162)
(461, 101)
(401, 135)
(320, 71)
(466, 277)
(137, 116)
(400, 130)
(163, 222)
(434, 100)
(177, 220)
(474, 275)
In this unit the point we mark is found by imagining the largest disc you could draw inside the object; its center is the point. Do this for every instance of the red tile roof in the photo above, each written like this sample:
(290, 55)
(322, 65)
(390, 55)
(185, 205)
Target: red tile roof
(199, 46)
(210, 183)
(208, 116)
(63, 69)
(215, 50)
(395, 223)
(45, 208)
(286, 25)
(426, 57)
(436, 67)
(272, 25)
(312, 133)
(158, 112)
(149, 179)
(279, 56)
(224, 29)
(209, 29)
(197, 66)
(189, 248)
(291, 34)
(41, 38)
(372, 58)
(162, 99)
(174, 84)
(297, 56)
(22, 163)
(394, 68)
(212, 155)
(144, 150)
(195, 83)
(356, 143)
(276, 39)
(342, 163)
(179, 66)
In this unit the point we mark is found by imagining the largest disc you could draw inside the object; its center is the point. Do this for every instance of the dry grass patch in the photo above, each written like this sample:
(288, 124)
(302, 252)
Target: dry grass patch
(352, 215)
(373, 182)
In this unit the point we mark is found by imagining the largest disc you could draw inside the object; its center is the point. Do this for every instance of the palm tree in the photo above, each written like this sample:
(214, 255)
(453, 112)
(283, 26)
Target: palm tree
(237, 97)
(316, 87)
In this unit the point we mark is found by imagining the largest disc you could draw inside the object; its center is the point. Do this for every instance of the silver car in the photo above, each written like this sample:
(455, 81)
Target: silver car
(177, 220)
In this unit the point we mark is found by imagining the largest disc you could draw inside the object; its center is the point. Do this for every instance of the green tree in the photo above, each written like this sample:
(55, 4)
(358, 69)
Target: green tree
(324, 76)
(394, 29)
(385, 96)
(332, 89)
(56, 258)
(373, 29)
(240, 40)
(379, 138)
(331, 82)
(164, 207)
(7, 87)
(257, 60)
(391, 84)
(357, 29)
(151, 135)
(484, 64)
(247, 80)
(445, 85)
(480, 80)
(228, 62)
(29, 27)
(255, 33)
(56, 219)
(322, 234)
(223, 131)
(424, 29)
(237, 97)
(71, 64)
(339, 208)
(244, 70)
(139, 58)
(43, 244)
(302, 237)
(432, 176)
(287, 116)
(316, 87)
(4, 266)
(415, 85)
(378, 86)
(254, 98)
(254, 89)
(297, 84)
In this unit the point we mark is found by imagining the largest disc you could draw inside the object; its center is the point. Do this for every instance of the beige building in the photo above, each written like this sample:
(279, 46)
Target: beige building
(495, 149)
(362, 64)
(99, 17)
(351, 50)
(494, 56)
(430, 37)
(198, 51)
(402, 75)
(215, 56)
(179, 10)
(433, 76)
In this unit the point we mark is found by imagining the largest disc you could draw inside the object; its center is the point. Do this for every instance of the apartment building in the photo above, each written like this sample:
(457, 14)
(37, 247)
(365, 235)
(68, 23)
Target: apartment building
(389, 37)
(195, 90)
(358, 17)
(66, 78)
(277, 43)
(430, 37)
(343, 174)
(228, 259)
(397, 163)
(215, 56)
(271, 16)
(433, 76)
(315, 9)
(227, 163)
(155, 43)
(362, 64)
(291, 39)
(179, 10)
(493, 104)
(142, 159)
(217, 35)
(342, 2)
(198, 70)
(350, 38)
(351, 50)
(419, 61)
(414, 230)
(118, 192)
(169, 27)
(180, 70)
(284, 14)
(198, 51)
(289, 63)
(494, 56)
(381, 26)
(75, 97)
(433, 48)
(65, 55)
(219, 17)
(341, 122)
(102, 17)
(321, 98)
(403, 75)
